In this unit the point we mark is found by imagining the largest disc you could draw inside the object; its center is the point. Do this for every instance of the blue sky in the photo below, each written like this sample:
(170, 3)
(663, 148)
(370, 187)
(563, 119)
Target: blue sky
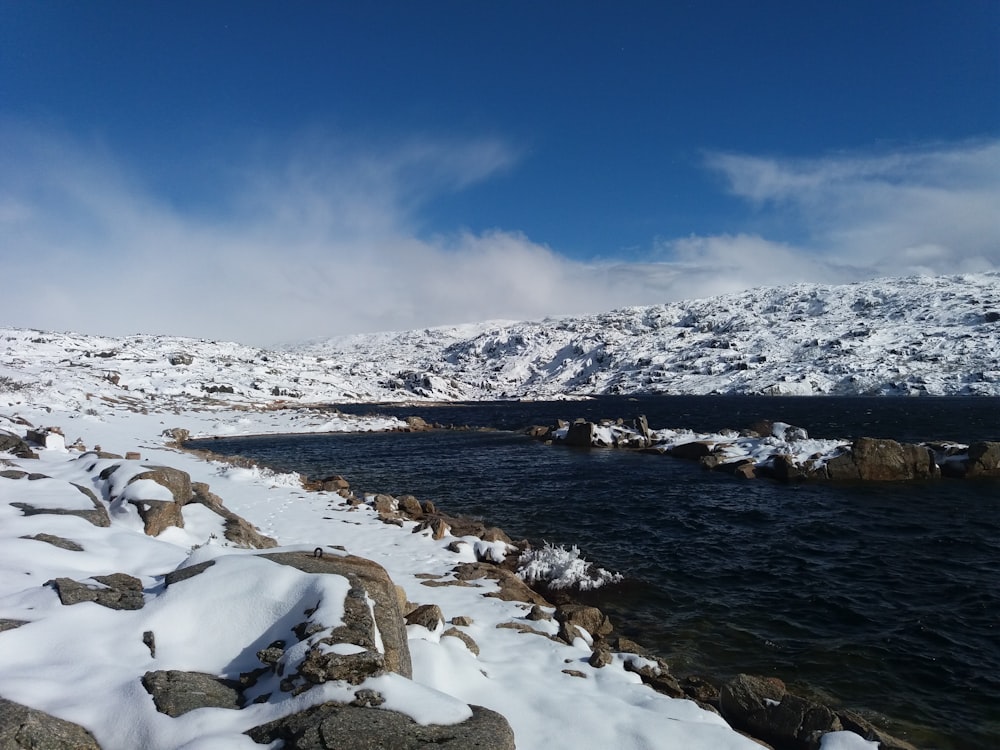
(274, 171)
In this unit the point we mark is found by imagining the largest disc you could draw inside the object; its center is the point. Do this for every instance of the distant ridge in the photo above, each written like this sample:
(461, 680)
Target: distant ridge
(906, 336)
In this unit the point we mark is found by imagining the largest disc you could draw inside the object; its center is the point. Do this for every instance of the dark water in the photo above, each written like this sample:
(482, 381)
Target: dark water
(884, 597)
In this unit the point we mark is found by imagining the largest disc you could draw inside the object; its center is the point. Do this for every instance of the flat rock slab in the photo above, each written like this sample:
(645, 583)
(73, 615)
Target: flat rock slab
(175, 692)
(335, 726)
(56, 541)
(119, 591)
(30, 729)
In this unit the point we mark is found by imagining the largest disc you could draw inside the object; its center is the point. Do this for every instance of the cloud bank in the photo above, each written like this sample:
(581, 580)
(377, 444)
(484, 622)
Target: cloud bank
(328, 238)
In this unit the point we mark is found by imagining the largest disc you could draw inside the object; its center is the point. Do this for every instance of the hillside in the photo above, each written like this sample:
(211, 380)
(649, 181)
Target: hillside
(909, 336)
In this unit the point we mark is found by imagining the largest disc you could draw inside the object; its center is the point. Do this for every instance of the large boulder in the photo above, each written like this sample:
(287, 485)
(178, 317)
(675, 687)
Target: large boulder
(873, 459)
(175, 480)
(157, 515)
(368, 580)
(762, 707)
(23, 728)
(983, 460)
(590, 619)
(334, 726)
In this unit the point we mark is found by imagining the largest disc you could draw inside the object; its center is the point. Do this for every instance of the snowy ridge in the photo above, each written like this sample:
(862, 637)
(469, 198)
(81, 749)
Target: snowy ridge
(910, 336)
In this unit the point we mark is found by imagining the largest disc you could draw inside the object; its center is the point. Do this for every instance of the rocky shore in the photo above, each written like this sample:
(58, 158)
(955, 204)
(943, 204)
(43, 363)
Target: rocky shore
(761, 707)
(314, 677)
(781, 451)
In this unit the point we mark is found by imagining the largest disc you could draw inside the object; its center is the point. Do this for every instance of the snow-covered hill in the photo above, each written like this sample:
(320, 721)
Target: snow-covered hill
(910, 336)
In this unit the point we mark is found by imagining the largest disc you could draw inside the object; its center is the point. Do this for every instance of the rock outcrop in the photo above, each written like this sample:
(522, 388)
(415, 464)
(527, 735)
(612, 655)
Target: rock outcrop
(369, 582)
(334, 726)
(115, 591)
(871, 459)
(763, 707)
(23, 728)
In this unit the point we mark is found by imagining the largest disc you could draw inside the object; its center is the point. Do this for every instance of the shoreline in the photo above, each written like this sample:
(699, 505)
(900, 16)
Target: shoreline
(695, 685)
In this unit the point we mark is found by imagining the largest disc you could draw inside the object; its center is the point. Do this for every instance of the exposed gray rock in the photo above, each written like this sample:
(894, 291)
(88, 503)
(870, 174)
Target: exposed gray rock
(180, 358)
(368, 577)
(119, 591)
(98, 516)
(9, 624)
(23, 728)
(333, 726)
(182, 574)
(56, 541)
(175, 692)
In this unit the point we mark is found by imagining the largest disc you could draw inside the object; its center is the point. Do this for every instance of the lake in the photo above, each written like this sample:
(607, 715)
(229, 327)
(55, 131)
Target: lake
(882, 596)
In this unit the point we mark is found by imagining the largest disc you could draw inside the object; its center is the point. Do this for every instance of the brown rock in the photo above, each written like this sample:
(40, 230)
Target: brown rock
(426, 615)
(409, 505)
(175, 480)
(464, 638)
(512, 588)
(872, 459)
(157, 515)
(591, 619)
(763, 707)
(984, 460)
(600, 656)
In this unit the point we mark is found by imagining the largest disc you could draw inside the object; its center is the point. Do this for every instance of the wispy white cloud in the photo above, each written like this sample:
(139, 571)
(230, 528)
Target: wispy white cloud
(919, 210)
(326, 239)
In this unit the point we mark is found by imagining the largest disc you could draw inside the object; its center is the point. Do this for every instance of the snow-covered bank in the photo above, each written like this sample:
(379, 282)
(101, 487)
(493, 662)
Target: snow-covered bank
(84, 663)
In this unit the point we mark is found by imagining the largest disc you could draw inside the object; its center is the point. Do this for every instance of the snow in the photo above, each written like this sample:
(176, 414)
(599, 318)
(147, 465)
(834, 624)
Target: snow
(561, 568)
(84, 662)
(921, 335)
